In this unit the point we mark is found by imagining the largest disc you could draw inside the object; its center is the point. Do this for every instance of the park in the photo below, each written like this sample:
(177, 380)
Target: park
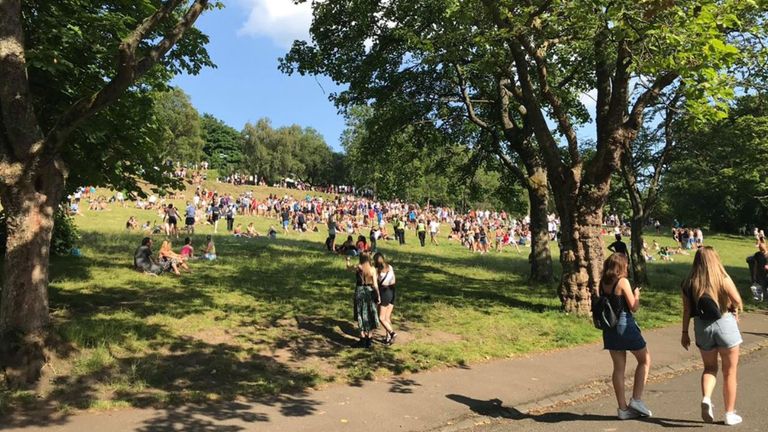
(499, 155)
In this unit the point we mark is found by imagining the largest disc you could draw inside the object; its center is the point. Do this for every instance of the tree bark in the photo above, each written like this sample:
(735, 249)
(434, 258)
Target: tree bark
(637, 256)
(582, 255)
(541, 257)
(29, 209)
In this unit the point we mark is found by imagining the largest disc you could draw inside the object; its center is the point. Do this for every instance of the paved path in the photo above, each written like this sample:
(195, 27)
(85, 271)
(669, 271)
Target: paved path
(675, 404)
(433, 400)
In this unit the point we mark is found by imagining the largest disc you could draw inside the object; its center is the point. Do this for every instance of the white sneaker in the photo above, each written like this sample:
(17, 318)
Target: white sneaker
(627, 414)
(640, 407)
(732, 419)
(707, 412)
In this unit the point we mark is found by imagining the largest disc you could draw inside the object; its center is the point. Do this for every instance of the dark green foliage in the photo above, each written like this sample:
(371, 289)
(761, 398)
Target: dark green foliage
(70, 49)
(719, 176)
(223, 144)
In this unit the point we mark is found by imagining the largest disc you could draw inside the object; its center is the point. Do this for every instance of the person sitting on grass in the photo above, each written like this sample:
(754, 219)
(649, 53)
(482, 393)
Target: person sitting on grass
(142, 258)
(362, 244)
(187, 252)
(170, 260)
(132, 224)
(664, 254)
(347, 248)
(251, 231)
(147, 227)
(210, 249)
(272, 233)
(238, 231)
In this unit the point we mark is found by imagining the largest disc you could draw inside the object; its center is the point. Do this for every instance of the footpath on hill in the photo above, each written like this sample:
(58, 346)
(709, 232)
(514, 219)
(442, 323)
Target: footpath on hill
(441, 400)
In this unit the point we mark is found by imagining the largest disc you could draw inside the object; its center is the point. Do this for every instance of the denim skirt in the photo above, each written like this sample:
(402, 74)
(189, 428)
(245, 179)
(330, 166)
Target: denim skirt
(625, 336)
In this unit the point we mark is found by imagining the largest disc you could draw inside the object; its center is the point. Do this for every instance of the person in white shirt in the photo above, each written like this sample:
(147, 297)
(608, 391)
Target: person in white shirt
(434, 229)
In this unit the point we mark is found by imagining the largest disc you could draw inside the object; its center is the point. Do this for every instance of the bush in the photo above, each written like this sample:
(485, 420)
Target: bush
(65, 234)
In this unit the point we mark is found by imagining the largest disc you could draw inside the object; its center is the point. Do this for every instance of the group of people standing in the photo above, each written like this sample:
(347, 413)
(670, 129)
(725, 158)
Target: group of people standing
(374, 297)
(710, 299)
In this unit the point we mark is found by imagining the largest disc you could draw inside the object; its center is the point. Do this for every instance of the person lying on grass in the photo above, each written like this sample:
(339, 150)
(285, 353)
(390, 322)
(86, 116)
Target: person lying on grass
(142, 258)
(170, 260)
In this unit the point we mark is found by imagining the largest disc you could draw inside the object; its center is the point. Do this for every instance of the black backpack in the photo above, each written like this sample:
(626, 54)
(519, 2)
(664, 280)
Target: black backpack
(603, 315)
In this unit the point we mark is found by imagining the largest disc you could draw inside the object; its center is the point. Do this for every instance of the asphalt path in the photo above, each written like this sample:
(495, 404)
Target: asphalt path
(675, 405)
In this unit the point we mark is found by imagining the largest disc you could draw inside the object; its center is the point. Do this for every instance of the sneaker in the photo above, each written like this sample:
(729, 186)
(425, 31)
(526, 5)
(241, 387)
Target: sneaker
(707, 412)
(640, 407)
(627, 414)
(392, 337)
(732, 419)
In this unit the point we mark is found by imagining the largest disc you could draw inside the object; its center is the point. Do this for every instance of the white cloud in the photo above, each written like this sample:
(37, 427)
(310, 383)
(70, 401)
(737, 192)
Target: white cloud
(282, 21)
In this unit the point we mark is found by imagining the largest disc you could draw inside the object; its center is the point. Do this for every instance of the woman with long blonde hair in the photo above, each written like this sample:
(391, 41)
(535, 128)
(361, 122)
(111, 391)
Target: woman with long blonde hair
(170, 260)
(625, 336)
(712, 300)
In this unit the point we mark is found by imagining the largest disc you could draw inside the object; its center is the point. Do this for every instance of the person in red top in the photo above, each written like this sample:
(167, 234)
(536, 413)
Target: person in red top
(362, 245)
(187, 251)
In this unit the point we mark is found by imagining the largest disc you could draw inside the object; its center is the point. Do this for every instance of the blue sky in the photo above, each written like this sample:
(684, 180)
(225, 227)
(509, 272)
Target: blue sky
(247, 37)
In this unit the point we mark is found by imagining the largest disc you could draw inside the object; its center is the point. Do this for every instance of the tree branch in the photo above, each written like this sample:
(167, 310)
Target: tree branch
(649, 96)
(473, 117)
(129, 68)
(563, 122)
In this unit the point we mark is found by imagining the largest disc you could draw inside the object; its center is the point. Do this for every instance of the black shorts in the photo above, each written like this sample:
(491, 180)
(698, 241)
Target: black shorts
(388, 295)
(189, 221)
(172, 221)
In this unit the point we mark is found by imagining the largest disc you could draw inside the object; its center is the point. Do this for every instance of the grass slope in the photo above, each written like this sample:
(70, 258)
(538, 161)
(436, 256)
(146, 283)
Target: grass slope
(271, 317)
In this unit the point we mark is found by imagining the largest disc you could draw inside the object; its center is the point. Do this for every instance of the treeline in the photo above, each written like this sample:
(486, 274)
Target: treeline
(259, 149)
(414, 168)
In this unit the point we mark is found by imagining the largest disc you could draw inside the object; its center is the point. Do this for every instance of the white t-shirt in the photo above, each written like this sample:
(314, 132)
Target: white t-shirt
(433, 227)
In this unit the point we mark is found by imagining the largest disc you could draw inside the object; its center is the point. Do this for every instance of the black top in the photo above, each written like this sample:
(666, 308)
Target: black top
(760, 276)
(618, 301)
(705, 308)
(619, 247)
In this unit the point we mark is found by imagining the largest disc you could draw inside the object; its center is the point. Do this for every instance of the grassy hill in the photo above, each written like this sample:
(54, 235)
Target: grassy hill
(275, 316)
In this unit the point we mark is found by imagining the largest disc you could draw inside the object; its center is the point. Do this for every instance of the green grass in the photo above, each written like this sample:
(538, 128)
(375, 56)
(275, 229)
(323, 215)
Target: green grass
(275, 316)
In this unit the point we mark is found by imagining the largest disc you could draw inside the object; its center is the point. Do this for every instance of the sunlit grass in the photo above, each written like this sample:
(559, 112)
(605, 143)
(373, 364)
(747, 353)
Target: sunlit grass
(275, 316)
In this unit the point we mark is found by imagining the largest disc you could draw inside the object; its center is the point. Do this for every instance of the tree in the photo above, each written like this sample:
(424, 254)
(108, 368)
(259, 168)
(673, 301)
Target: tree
(223, 144)
(530, 62)
(642, 169)
(290, 151)
(718, 179)
(417, 61)
(65, 66)
(180, 125)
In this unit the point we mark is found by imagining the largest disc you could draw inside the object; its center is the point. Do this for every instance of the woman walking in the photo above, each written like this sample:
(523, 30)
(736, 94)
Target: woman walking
(387, 281)
(712, 300)
(366, 299)
(625, 336)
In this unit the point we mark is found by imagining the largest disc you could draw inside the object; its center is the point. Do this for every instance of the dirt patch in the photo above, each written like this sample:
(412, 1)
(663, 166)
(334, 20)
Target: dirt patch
(215, 336)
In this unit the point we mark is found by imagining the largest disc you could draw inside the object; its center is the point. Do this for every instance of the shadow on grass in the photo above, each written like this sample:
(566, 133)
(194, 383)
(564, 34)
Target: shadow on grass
(287, 296)
(494, 408)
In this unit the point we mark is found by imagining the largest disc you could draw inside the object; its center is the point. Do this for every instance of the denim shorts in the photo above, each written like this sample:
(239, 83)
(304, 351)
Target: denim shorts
(723, 333)
(625, 336)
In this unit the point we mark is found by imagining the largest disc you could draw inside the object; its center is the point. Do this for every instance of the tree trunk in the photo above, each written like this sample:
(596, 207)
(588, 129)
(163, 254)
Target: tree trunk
(540, 258)
(637, 257)
(582, 254)
(29, 207)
